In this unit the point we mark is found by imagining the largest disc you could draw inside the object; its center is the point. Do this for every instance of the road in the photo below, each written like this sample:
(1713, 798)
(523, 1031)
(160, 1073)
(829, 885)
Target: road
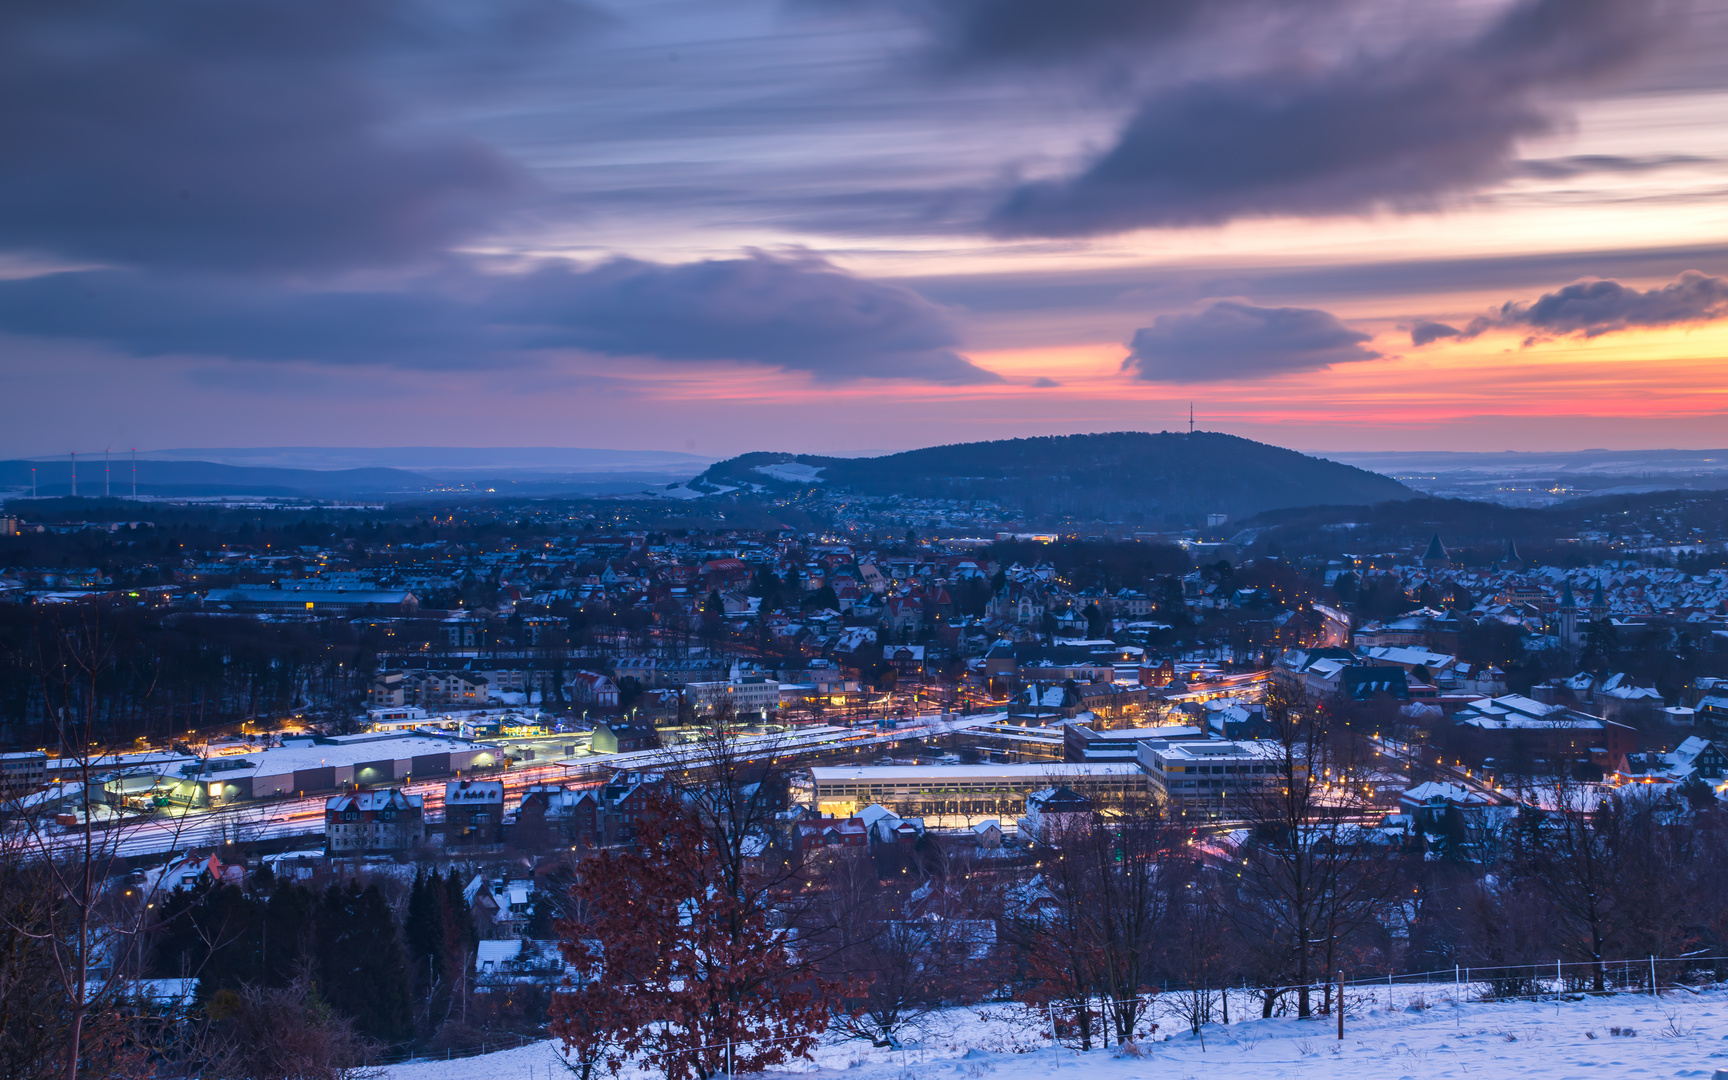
(1419, 755)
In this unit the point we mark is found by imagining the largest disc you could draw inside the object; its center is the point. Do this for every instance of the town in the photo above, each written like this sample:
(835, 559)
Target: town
(863, 541)
(458, 713)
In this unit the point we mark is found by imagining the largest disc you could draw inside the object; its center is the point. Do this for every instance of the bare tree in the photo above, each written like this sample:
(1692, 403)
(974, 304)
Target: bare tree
(1614, 866)
(1197, 949)
(1088, 939)
(894, 961)
(707, 951)
(288, 1033)
(1312, 871)
(89, 925)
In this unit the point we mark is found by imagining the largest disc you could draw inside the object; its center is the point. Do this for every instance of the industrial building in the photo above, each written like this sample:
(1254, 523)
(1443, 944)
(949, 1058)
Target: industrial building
(968, 790)
(308, 765)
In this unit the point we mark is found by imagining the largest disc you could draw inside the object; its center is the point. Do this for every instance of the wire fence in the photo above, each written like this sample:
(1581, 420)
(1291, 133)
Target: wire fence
(1409, 991)
(493, 1046)
(1647, 975)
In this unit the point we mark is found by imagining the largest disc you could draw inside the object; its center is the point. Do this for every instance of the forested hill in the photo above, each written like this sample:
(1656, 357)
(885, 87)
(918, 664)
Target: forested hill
(1121, 476)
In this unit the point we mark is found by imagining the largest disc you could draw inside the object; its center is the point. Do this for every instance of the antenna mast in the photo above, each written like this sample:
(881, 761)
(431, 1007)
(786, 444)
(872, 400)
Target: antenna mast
(134, 474)
(107, 473)
(1190, 418)
(74, 474)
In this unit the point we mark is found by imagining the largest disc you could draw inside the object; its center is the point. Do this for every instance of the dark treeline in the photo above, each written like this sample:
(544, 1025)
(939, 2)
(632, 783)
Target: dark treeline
(345, 939)
(142, 672)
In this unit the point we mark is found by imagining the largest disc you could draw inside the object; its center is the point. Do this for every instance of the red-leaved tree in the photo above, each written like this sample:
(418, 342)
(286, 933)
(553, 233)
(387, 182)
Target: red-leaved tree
(682, 948)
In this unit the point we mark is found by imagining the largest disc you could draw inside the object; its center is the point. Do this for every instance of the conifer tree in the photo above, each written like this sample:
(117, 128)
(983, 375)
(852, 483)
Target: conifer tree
(362, 964)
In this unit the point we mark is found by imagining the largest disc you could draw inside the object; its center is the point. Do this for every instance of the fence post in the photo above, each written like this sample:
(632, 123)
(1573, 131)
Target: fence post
(1652, 975)
(1340, 1004)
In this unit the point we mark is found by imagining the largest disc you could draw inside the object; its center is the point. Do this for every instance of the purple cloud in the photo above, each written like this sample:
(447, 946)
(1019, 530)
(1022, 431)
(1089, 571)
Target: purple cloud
(791, 314)
(1598, 306)
(1401, 130)
(1228, 340)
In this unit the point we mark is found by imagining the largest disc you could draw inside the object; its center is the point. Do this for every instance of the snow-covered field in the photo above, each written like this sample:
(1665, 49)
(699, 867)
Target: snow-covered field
(1681, 1034)
(793, 472)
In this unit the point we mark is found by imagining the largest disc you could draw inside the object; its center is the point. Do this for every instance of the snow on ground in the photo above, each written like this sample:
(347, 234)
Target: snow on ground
(793, 472)
(1681, 1034)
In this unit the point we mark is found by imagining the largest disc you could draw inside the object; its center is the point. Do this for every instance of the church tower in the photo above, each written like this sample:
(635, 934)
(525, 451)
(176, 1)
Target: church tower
(1566, 618)
(1598, 602)
(1511, 561)
(1436, 558)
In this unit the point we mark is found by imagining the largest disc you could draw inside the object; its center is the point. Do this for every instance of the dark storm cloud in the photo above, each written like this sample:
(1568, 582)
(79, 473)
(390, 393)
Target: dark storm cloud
(1400, 130)
(791, 314)
(1228, 340)
(245, 134)
(800, 315)
(1597, 307)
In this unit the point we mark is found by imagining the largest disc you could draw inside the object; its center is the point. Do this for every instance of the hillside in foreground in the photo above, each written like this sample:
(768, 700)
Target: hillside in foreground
(1160, 478)
(1677, 1034)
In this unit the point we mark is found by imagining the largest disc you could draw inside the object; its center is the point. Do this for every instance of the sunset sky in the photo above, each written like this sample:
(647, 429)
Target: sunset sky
(839, 226)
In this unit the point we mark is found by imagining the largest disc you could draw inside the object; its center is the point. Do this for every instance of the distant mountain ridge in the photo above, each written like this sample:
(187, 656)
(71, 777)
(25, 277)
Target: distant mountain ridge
(440, 461)
(205, 478)
(1120, 476)
(384, 473)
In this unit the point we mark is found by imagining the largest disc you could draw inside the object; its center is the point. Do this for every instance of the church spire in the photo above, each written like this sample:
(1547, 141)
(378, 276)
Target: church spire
(1436, 553)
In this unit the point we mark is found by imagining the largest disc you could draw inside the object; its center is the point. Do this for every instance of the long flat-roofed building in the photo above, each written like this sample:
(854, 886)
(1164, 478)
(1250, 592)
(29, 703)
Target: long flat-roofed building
(996, 791)
(305, 766)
